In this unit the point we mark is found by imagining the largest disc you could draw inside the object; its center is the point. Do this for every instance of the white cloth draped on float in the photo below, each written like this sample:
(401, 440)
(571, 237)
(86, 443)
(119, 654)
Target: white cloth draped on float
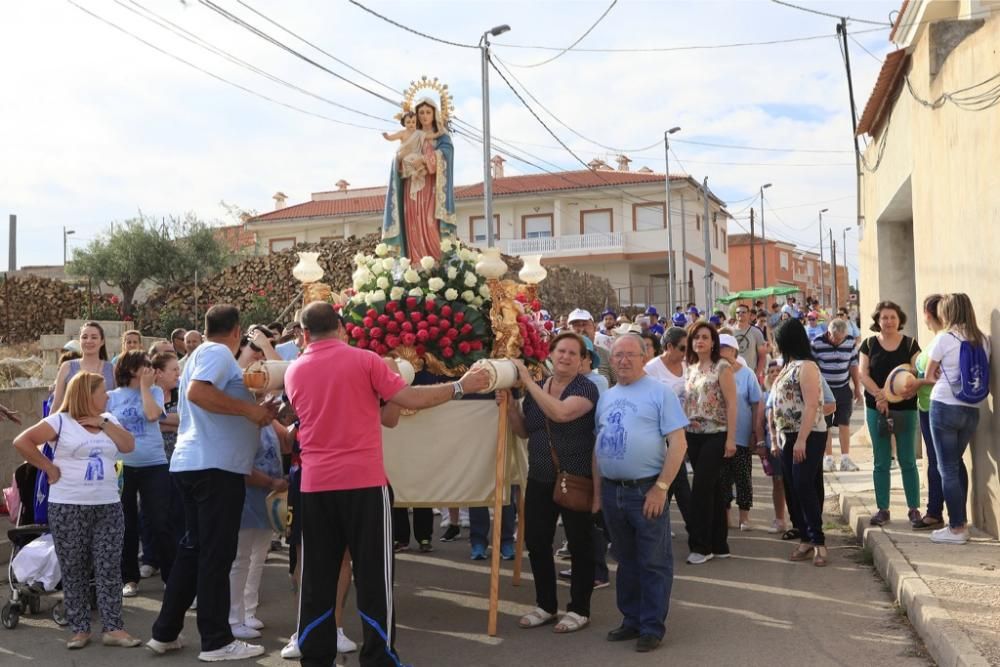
(446, 456)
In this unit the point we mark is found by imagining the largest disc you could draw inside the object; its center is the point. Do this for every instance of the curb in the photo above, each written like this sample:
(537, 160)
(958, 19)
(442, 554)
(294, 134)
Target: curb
(946, 640)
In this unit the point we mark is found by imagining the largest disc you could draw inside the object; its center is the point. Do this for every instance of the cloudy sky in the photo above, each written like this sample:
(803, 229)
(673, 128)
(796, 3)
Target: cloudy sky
(96, 125)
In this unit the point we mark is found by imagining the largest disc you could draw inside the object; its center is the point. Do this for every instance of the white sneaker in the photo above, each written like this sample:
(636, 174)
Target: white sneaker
(235, 650)
(689, 467)
(945, 536)
(345, 645)
(130, 590)
(253, 622)
(291, 650)
(776, 527)
(893, 465)
(847, 465)
(698, 559)
(745, 527)
(194, 604)
(147, 571)
(160, 648)
(828, 465)
(241, 631)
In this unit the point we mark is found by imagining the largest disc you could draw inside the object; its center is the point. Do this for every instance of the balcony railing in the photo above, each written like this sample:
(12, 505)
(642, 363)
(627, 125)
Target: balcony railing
(559, 244)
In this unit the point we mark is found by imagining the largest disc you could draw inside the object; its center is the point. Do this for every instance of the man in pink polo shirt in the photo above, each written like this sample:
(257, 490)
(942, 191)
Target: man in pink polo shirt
(337, 391)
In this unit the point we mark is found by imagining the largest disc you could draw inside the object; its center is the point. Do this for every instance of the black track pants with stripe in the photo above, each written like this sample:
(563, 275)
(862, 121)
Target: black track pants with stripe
(332, 521)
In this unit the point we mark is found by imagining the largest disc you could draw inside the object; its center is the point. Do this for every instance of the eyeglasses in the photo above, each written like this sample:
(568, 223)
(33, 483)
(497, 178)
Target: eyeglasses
(619, 356)
(742, 312)
(682, 348)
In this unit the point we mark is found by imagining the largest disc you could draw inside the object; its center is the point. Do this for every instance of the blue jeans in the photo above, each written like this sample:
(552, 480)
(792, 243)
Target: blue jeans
(479, 525)
(645, 557)
(952, 427)
(935, 494)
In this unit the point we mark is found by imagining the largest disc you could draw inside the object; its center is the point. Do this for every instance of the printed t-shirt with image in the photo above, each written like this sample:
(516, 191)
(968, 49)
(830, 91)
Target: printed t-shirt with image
(125, 403)
(86, 463)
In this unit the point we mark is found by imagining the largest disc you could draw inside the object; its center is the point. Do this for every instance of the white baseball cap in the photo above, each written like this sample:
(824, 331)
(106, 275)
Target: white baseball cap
(579, 315)
(727, 340)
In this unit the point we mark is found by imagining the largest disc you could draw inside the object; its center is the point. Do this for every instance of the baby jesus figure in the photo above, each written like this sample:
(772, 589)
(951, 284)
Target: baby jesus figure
(410, 155)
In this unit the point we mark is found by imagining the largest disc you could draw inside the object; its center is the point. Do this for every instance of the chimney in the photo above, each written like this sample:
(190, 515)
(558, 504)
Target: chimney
(12, 251)
(623, 162)
(598, 165)
(279, 200)
(342, 185)
(497, 163)
(645, 170)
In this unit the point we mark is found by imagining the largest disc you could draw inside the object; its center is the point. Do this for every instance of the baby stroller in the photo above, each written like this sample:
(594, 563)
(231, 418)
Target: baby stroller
(26, 598)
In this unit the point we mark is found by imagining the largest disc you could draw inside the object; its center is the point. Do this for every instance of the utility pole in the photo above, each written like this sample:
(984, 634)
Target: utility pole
(842, 32)
(822, 280)
(753, 276)
(763, 236)
(833, 271)
(846, 272)
(671, 262)
(12, 244)
(684, 249)
(66, 233)
(708, 249)
(484, 46)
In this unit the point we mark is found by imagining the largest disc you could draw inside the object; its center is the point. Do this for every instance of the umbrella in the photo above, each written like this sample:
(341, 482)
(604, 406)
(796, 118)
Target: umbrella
(777, 290)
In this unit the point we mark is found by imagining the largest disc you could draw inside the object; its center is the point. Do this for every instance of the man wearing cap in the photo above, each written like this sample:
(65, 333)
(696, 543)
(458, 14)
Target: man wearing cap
(692, 314)
(582, 322)
(654, 321)
(679, 320)
(608, 318)
(752, 344)
(813, 328)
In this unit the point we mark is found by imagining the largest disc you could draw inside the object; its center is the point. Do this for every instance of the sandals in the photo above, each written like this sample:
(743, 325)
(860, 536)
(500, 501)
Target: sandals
(801, 554)
(820, 557)
(571, 622)
(791, 534)
(535, 618)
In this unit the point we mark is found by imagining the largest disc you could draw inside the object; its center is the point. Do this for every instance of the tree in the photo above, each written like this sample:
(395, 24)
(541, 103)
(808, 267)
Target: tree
(139, 249)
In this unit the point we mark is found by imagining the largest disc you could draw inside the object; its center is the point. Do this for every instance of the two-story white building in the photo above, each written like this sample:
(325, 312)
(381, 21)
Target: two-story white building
(602, 221)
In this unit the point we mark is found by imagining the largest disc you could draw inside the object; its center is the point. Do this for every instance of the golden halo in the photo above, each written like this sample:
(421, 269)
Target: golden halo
(446, 107)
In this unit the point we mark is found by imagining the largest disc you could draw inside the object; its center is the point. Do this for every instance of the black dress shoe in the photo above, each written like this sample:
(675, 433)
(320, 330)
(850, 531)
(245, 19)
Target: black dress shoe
(622, 633)
(647, 643)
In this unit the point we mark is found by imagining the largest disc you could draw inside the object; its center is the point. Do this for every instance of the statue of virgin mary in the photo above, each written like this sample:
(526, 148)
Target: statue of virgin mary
(418, 215)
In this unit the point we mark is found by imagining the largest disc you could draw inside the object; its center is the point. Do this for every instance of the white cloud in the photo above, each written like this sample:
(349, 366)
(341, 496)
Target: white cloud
(96, 125)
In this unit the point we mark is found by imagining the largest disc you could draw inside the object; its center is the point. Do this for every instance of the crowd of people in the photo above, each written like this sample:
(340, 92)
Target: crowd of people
(634, 413)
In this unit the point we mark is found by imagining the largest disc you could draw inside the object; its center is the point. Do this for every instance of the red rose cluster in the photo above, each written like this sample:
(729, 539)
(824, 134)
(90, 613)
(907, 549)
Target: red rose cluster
(534, 347)
(418, 323)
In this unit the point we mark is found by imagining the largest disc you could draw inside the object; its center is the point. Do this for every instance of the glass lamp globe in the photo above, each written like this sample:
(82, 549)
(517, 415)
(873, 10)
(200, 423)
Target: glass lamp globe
(308, 269)
(532, 272)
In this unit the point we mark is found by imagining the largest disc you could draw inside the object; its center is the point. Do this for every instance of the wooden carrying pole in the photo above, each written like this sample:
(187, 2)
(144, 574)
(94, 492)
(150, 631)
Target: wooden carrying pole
(491, 629)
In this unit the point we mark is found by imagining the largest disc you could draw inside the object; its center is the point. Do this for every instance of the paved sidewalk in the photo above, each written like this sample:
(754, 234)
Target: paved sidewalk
(951, 594)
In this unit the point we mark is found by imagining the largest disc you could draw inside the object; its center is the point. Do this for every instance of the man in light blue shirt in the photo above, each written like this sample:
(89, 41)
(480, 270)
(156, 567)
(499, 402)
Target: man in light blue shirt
(635, 419)
(292, 348)
(216, 442)
(738, 469)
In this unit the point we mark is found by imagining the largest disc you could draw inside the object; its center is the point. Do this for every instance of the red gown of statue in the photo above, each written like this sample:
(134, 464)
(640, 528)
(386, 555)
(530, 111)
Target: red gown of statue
(423, 234)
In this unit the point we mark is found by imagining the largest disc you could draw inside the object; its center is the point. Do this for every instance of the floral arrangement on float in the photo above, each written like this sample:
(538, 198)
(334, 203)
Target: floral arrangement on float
(439, 314)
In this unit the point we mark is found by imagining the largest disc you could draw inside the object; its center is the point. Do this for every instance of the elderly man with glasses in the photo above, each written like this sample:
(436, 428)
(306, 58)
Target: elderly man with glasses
(753, 345)
(639, 451)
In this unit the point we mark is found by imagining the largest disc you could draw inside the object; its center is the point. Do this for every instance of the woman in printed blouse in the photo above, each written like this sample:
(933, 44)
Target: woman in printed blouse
(710, 405)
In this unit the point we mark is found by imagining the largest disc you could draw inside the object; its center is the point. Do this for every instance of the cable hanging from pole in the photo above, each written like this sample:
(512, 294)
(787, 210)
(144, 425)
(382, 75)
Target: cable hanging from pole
(579, 39)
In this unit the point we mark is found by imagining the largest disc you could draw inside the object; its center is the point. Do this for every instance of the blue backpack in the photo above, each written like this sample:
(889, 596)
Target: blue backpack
(973, 384)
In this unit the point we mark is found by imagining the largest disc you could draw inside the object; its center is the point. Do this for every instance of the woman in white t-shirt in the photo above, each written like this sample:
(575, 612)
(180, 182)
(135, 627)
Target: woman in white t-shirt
(669, 367)
(953, 422)
(85, 514)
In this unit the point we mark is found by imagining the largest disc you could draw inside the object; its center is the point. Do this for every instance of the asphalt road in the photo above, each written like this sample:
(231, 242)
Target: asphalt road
(756, 608)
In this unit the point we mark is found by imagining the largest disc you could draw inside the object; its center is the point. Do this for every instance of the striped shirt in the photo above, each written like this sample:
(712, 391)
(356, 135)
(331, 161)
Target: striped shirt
(835, 362)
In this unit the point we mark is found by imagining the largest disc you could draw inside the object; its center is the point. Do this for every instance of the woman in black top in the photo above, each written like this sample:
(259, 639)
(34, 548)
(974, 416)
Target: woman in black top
(879, 354)
(559, 410)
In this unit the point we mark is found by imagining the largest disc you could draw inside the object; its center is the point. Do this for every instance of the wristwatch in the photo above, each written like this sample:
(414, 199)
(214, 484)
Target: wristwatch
(662, 486)
(457, 391)
(104, 423)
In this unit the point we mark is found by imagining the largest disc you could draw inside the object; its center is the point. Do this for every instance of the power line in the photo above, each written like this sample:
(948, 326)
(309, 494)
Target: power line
(192, 38)
(856, 41)
(263, 35)
(409, 29)
(216, 76)
(975, 102)
(580, 39)
(828, 15)
(325, 53)
(691, 47)
(758, 148)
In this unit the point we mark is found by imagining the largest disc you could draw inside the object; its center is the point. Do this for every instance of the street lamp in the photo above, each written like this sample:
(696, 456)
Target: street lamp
(66, 233)
(763, 240)
(671, 263)
(484, 46)
(822, 281)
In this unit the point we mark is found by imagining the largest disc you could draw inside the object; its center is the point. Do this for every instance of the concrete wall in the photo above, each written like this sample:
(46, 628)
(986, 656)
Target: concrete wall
(28, 402)
(939, 169)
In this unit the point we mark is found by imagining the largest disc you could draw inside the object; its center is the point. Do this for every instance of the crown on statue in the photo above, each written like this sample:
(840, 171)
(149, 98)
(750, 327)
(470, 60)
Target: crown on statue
(410, 100)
